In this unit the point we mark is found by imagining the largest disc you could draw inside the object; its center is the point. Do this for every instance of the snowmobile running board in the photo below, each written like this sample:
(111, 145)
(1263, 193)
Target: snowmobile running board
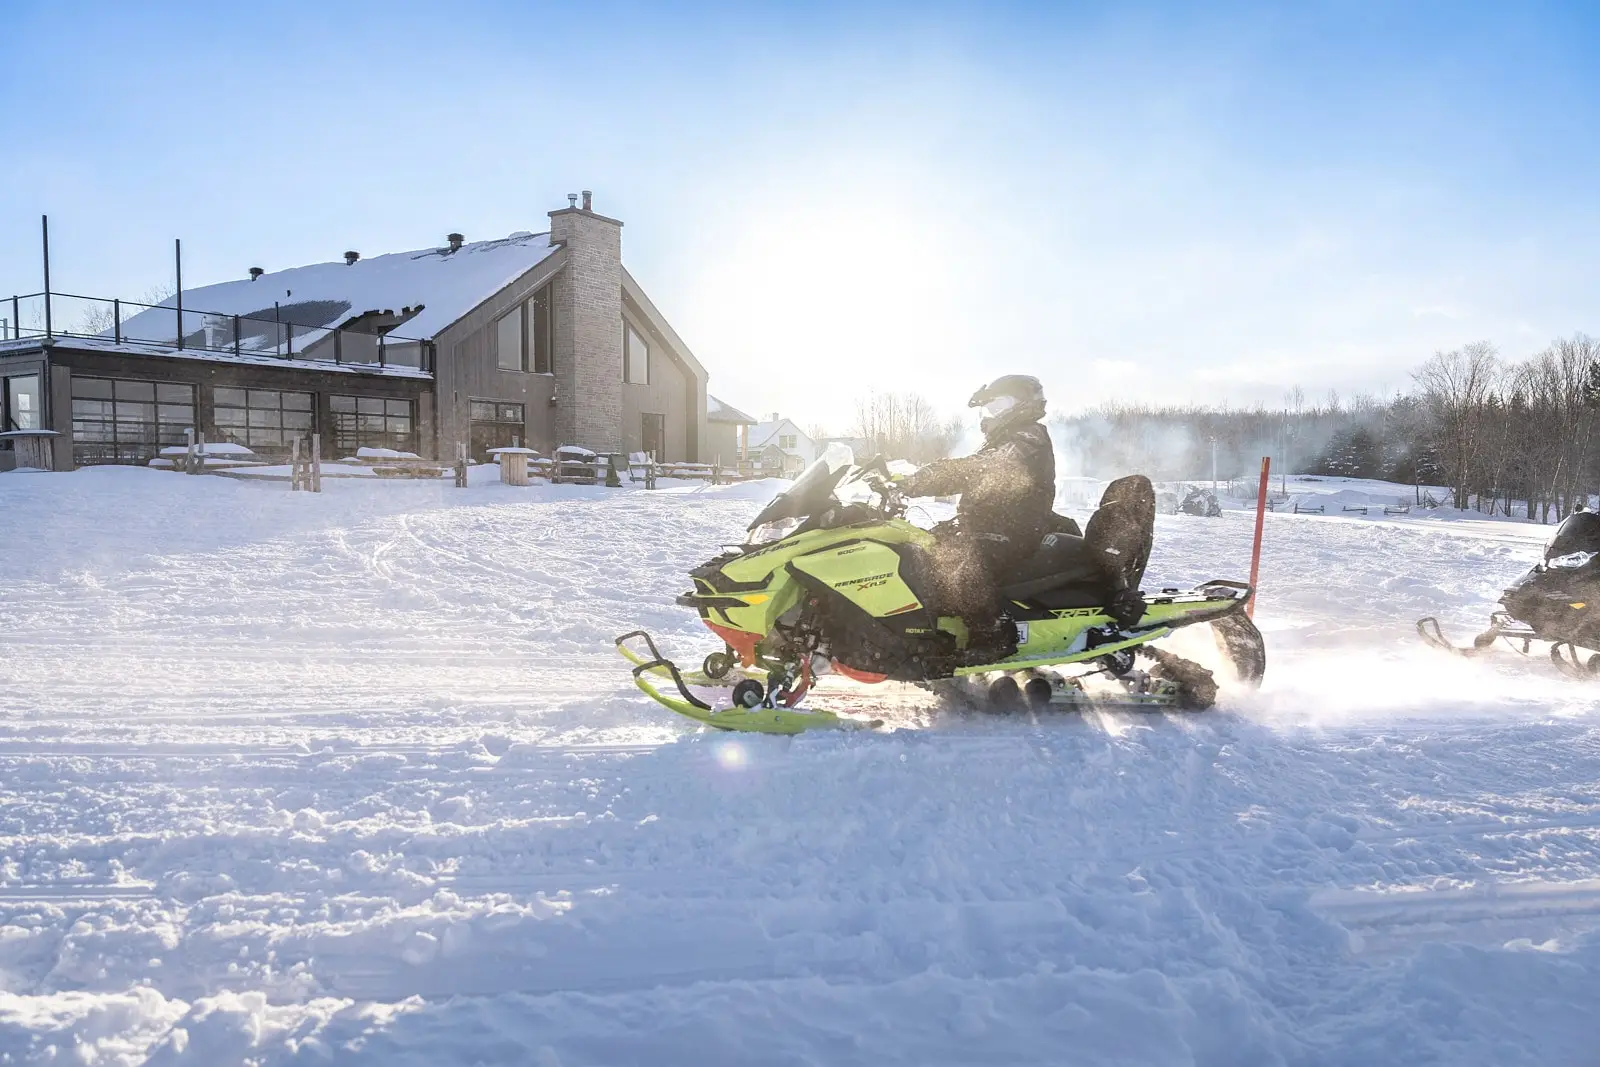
(764, 718)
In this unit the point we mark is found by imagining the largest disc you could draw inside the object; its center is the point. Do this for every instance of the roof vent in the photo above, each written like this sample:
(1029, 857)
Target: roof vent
(572, 200)
(256, 272)
(455, 240)
(350, 258)
(588, 198)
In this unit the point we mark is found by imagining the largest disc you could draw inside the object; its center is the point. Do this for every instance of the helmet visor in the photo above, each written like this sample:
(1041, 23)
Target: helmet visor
(999, 406)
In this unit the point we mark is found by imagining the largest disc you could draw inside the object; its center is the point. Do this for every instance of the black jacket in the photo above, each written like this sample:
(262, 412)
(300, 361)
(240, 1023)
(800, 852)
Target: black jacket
(1007, 487)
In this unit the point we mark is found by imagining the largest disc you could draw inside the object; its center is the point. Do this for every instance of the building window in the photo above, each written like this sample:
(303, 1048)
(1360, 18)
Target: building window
(541, 324)
(786, 440)
(635, 357)
(495, 424)
(508, 340)
(20, 407)
(371, 422)
(262, 419)
(655, 435)
(119, 421)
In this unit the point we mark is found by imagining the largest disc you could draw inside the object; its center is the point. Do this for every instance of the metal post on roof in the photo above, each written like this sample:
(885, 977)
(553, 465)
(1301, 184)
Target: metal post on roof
(177, 254)
(381, 362)
(16, 321)
(338, 346)
(44, 230)
(116, 319)
(236, 335)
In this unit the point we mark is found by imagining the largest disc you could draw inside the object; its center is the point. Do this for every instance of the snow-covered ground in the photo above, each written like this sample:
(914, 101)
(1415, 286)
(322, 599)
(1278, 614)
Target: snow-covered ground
(356, 778)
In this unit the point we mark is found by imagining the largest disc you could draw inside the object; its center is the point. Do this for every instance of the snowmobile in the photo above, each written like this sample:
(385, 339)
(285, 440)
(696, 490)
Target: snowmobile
(833, 578)
(1558, 602)
(1200, 501)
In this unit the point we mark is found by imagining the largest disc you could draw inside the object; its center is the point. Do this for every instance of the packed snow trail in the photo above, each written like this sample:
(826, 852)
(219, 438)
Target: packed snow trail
(357, 777)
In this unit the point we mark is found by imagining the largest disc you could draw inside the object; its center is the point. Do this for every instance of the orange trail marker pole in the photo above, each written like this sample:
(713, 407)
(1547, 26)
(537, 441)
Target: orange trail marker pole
(1261, 519)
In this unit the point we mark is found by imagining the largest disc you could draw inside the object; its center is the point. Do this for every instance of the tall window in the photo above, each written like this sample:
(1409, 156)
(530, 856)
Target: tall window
(371, 422)
(522, 335)
(262, 419)
(540, 325)
(20, 403)
(509, 337)
(635, 357)
(121, 421)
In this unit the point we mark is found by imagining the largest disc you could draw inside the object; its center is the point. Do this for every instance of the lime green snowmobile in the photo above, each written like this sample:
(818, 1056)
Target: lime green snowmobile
(832, 578)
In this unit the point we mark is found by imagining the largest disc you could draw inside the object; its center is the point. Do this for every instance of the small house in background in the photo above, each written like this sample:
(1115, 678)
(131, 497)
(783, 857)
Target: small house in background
(796, 446)
(534, 339)
(727, 432)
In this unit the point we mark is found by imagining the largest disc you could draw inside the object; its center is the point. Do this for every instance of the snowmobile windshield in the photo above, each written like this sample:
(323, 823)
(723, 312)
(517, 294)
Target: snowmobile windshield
(1579, 533)
(810, 493)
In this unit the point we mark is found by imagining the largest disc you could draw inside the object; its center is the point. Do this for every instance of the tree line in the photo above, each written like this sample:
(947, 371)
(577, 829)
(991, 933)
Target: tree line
(1502, 435)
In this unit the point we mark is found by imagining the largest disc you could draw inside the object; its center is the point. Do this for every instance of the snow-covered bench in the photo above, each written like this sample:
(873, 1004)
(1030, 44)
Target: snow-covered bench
(1362, 508)
(1397, 509)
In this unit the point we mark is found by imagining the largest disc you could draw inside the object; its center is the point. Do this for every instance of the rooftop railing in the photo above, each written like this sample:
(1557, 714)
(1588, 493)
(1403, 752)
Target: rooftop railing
(366, 341)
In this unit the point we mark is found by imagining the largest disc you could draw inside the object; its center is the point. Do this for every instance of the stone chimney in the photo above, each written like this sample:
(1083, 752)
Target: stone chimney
(586, 298)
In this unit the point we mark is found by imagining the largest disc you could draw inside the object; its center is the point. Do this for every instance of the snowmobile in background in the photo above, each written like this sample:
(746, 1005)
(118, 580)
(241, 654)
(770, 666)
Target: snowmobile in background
(832, 578)
(1558, 601)
(1200, 501)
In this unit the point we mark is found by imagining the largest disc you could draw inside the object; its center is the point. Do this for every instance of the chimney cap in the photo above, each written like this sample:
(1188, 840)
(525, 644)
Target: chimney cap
(455, 240)
(572, 199)
(256, 272)
(588, 200)
(351, 257)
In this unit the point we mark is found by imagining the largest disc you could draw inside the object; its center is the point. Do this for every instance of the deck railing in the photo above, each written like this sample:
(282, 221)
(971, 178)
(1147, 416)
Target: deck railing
(170, 325)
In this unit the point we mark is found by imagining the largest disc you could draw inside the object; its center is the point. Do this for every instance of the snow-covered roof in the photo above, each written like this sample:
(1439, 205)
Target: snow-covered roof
(445, 284)
(763, 432)
(718, 411)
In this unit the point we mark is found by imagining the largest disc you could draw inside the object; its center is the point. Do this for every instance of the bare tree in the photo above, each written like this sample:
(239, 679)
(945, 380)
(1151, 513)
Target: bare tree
(1457, 387)
(904, 426)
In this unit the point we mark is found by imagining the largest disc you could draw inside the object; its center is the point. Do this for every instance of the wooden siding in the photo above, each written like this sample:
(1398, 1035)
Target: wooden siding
(468, 367)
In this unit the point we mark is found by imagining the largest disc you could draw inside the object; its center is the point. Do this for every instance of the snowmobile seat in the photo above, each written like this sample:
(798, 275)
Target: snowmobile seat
(1069, 571)
(1062, 574)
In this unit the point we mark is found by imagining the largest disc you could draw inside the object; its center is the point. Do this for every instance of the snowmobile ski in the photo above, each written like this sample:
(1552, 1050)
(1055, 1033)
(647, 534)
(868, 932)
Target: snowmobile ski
(754, 709)
(718, 668)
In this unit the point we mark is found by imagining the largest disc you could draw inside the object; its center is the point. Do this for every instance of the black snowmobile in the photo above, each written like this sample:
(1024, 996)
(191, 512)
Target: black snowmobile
(1558, 601)
(1200, 501)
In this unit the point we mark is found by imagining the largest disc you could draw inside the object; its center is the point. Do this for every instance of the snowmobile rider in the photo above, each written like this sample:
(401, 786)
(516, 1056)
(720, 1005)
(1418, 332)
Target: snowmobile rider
(1007, 489)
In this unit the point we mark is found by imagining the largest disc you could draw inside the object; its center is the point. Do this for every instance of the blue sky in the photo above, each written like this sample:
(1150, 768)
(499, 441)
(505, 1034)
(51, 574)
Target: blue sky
(1200, 202)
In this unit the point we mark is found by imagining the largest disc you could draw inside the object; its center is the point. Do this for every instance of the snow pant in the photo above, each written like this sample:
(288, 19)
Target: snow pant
(965, 570)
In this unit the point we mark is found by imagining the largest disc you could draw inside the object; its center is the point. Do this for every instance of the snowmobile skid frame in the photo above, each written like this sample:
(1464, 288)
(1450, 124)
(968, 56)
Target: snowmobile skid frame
(1519, 637)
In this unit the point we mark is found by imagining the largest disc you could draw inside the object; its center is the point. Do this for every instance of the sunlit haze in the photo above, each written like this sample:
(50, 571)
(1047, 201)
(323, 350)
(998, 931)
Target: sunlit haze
(1197, 202)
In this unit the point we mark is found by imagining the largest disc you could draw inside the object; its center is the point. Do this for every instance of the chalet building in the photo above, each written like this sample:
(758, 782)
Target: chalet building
(781, 444)
(538, 339)
(727, 432)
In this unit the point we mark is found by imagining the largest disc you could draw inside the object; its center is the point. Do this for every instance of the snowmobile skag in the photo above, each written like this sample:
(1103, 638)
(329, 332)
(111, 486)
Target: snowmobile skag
(833, 578)
(1558, 602)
